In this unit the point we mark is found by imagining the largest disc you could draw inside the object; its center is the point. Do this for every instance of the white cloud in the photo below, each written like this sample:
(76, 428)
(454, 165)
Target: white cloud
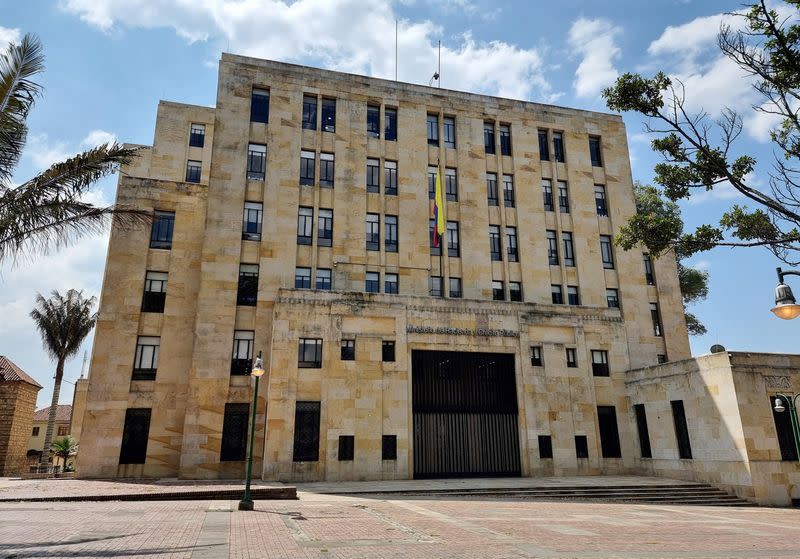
(593, 39)
(43, 152)
(689, 40)
(98, 137)
(724, 191)
(8, 35)
(346, 35)
(703, 265)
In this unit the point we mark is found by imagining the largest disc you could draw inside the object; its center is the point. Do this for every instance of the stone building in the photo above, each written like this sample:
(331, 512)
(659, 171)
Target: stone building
(18, 393)
(61, 428)
(293, 219)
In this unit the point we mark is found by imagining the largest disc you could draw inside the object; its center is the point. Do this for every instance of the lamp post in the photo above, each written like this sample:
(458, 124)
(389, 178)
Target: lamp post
(791, 403)
(247, 501)
(786, 306)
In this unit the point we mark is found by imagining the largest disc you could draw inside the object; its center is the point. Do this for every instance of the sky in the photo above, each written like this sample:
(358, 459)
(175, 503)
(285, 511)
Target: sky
(110, 61)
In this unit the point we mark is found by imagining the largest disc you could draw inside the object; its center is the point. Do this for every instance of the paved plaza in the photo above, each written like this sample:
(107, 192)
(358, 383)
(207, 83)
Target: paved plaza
(339, 526)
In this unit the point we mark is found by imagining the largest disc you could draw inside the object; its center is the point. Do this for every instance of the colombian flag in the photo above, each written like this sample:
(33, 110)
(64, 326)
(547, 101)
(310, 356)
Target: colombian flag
(438, 210)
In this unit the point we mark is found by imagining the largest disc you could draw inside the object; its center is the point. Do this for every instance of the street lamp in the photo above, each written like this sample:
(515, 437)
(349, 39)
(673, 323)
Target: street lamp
(786, 306)
(247, 501)
(791, 403)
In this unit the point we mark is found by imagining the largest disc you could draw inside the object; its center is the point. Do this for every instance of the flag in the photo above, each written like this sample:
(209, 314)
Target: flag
(439, 224)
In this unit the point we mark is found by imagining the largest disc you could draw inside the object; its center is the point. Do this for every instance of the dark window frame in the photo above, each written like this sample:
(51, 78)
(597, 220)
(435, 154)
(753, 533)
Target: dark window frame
(259, 105)
(373, 183)
(136, 427)
(328, 114)
(346, 448)
(155, 291)
(242, 339)
(197, 135)
(489, 137)
(607, 251)
(323, 279)
(508, 191)
(681, 430)
(433, 129)
(234, 430)
(581, 446)
(316, 353)
(454, 288)
(453, 239)
(309, 113)
(373, 121)
(556, 295)
(600, 368)
(544, 146)
(372, 282)
(552, 247)
(391, 283)
(451, 184)
(609, 432)
(390, 178)
(495, 243)
(256, 162)
(327, 170)
(573, 295)
(612, 297)
(373, 231)
(643, 431)
(512, 247)
(306, 438)
(194, 170)
(325, 227)
(595, 153)
(492, 194)
(251, 230)
(302, 277)
(569, 248)
(571, 355)
(162, 230)
(390, 124)
(247, 286)
(545, 447)
(498, 290)
(348, 350)
(600, 200)
(390, 230)
(558, 147)
(537, 359)
(305, 226)
(388, 351)
(389, 447)
(433, 291)
(504, 133)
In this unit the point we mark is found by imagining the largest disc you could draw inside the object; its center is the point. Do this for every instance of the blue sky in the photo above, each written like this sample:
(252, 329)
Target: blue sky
(110, 61)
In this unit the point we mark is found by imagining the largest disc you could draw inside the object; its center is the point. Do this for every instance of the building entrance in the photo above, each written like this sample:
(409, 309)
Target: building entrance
(465, 414)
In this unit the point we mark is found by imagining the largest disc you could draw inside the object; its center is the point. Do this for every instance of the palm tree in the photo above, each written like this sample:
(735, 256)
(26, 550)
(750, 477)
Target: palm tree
(64, 448)
(64, 321)
(47, 210)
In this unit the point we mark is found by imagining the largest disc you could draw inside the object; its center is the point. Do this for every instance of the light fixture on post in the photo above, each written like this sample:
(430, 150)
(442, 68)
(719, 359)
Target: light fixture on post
(257, 371)
(786, 306)
(791, 404)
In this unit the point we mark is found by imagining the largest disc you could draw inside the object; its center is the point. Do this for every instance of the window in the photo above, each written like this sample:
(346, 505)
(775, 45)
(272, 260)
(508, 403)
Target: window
(256, 161)
(563, 197)
(372, 283)
(390, 178)
(681, 429)
(348, 350)
(373, 175)
(309, 354)
(326, 169)
(373, 121)
(452, 239)
(35, 432)
(307, 170)
(63, 430)
(390, 232)
(251, 221)
(306, 432)
(163, 227)
(133, 449)
(600, 363)
(783, 429)
(511, 244)
(302, 278)
(655, 315)
(491, 189)
(155, 291)
(609, 434)
(449, 132)
(373, 232)
(569, 253)
(547, 194)
(644, 434)
(536, 356)
(572, 358)
(508, 191)
(612, 298)
(234, 432)
(498, 291)
(552, 248)
(515, 291)
(455, 288)
(432, 182)
(346, 448)
(600, 200)
(557, 294)
(259, 105)
(387, 351)
(594, 151)
(606, 252)
(433, 130)
(505, 139)
(573, 297)
(436, 247)
(581, 446)
(389, 447)
(494, 242)
(145, 361)
(305, 225)
(450, 185)
(324, 279)
(325, 227)
(648, 270)
(247, 292)
(390, 123)
(661, 358)
(310, 112)
(435, 286)
(197, 135)
(558, 146)
(488, 136)
(390, 284)
(544, 149)
(329, 115)
(193, 171)
(242, 356)
(545, 446)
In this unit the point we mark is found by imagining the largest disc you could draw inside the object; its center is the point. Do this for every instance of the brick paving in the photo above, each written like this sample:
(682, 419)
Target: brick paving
(344, 527)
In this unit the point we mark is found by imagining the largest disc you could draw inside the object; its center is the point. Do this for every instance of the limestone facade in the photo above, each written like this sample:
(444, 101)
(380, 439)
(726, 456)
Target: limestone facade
(369, 397)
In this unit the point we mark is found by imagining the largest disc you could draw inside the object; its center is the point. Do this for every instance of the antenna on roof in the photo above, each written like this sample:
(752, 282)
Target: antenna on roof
(395, 50)
(438, 72)
(85, 359)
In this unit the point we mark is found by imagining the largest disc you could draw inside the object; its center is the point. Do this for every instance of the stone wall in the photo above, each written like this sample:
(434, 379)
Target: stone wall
(17, 405)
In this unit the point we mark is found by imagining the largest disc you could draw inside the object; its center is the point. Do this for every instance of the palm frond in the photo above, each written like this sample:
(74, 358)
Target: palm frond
(18, 64)
(47, 211)
(63, 321)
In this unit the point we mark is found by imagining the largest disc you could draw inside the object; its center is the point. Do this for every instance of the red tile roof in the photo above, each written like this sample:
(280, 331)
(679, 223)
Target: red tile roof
(10, 372)
(63, 413)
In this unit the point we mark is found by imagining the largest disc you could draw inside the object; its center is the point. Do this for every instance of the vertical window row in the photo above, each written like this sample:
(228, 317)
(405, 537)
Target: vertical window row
(309, 115)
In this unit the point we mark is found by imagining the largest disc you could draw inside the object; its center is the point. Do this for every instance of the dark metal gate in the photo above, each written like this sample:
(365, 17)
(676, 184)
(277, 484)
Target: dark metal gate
(465, 414)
